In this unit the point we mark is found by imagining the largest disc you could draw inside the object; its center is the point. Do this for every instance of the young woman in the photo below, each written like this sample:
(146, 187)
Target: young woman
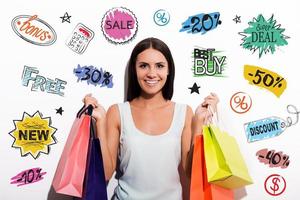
(145, 139)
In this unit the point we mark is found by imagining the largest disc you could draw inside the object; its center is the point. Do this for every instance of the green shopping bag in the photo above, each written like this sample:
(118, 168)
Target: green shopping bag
(224, 161)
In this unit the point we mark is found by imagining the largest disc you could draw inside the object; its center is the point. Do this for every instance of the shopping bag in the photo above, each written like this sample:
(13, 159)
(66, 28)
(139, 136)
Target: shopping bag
(224, 161)
(69, 175)
(94, 183)
(200, 189)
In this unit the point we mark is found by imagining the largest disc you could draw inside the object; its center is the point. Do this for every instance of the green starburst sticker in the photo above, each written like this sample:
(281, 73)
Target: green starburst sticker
(263, 35)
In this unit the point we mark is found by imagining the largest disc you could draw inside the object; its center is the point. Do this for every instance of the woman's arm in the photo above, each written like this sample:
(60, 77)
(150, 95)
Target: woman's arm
(196, 127)
(193, 126)
(111, 143)
(186, 138)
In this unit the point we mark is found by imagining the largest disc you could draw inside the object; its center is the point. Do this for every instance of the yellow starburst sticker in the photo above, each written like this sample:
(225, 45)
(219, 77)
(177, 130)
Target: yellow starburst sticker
(33, 134)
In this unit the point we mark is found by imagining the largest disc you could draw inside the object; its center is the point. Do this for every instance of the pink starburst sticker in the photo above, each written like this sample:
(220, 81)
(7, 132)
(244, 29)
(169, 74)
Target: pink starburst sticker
(119, 25)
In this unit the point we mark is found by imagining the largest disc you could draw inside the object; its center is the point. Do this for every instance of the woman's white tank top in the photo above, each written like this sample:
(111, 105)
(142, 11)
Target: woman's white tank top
(147, 167)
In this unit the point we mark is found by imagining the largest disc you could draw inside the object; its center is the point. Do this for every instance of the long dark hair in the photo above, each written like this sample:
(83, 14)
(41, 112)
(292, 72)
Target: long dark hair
(133, 87)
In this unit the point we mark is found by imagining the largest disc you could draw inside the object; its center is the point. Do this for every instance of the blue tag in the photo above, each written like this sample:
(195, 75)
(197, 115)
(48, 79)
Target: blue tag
(264, 128)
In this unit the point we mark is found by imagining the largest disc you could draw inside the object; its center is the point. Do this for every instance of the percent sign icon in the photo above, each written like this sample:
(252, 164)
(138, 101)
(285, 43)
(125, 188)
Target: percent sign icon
(240, 102)
(161, 17)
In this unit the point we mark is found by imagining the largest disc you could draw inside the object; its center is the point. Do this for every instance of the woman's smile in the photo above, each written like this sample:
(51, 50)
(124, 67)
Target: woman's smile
(151, 83)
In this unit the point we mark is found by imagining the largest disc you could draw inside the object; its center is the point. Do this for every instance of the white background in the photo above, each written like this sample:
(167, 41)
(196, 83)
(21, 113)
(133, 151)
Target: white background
(58, 61)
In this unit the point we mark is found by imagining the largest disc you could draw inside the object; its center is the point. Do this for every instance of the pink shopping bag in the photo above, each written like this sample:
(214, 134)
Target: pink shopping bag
(70, 171)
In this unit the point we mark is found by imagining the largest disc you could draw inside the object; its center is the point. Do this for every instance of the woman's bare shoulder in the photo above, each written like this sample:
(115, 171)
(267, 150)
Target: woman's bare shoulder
(113, 114)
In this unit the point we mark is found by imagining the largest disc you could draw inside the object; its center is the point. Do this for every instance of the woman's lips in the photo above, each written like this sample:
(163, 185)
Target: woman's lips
(151, 82)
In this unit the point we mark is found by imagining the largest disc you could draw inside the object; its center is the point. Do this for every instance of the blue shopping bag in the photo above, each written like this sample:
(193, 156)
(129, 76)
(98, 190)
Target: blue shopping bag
(94, 183)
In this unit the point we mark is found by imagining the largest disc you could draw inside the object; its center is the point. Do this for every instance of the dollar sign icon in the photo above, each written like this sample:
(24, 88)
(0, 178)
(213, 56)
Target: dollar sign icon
(275, 186)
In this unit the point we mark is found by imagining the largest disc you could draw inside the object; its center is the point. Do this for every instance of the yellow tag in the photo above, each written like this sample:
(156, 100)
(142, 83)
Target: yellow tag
(264, 78)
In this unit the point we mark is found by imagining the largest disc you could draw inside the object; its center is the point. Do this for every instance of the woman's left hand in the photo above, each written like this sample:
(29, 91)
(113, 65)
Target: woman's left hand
(211, 100)
(202, 113)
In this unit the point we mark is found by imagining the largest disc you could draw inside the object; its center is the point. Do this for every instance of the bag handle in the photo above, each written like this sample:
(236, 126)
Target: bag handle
(89, 110)
(216, 120)
(212, 120)
(82, 110)
(92, 130)
(215, 116)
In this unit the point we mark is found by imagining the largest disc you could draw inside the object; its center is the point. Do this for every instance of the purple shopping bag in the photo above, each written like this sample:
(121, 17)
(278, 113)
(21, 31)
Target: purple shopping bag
(94, 183)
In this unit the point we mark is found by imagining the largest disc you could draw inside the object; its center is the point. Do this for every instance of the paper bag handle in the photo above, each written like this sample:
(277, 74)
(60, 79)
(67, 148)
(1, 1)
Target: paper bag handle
(82, 110)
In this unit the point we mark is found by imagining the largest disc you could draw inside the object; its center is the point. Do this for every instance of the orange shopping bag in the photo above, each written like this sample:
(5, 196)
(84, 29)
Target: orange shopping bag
(200, 189)
(70, 171)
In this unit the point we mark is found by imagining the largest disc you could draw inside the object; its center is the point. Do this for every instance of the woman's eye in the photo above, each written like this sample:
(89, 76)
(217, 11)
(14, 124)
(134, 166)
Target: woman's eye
(160, 66)
(143, 66)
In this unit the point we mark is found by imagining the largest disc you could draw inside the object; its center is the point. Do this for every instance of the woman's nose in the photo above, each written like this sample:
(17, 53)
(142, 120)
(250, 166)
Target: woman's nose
(151, 72)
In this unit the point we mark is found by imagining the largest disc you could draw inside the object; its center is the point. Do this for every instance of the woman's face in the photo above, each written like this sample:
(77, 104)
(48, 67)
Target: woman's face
(152, 71)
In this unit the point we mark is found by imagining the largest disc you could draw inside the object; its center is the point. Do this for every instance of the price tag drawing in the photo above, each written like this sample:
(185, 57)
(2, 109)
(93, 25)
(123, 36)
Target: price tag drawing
(264, 128)
(80, 38)
(271, 126)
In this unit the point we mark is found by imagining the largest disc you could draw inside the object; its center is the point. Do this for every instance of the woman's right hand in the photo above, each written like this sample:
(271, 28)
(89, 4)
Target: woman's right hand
(99, 112)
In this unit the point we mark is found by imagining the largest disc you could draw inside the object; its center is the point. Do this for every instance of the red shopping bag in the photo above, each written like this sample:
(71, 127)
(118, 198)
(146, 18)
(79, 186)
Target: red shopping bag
(70, 171)
(200, 188)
